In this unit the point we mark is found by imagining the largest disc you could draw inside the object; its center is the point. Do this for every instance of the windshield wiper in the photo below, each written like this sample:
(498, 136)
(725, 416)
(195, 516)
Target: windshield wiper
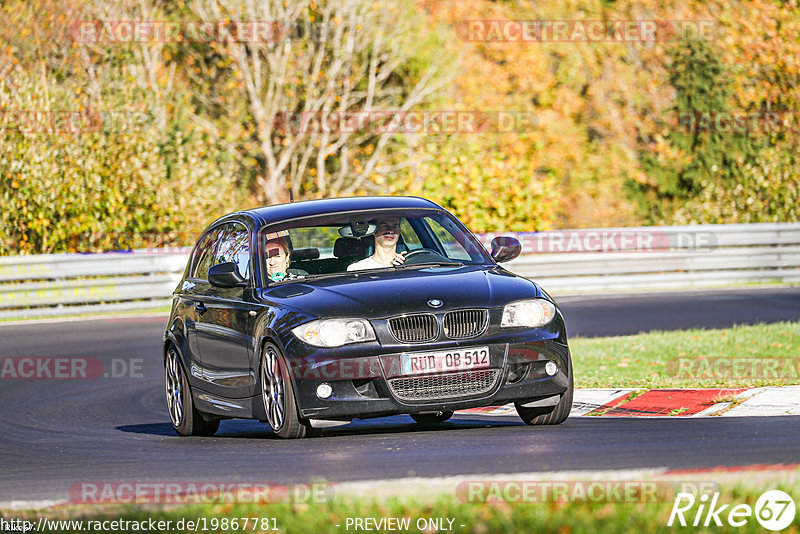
(316, 276)
(441, 263)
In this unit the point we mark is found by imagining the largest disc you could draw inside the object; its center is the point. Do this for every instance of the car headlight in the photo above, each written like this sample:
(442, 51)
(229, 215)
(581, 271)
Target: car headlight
(530, 313)
(335, 332)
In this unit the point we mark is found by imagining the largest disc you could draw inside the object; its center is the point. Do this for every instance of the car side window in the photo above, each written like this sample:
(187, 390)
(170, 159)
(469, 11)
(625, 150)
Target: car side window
(233, 244)
(454, 249)
(410, 237)
(204, 255)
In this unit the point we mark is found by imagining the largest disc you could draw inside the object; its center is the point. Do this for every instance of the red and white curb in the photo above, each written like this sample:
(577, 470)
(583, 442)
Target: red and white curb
(724, 402)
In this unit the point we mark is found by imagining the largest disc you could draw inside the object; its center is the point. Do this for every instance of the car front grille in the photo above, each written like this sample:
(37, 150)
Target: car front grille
(416, 328)
(462, 324)
(444, 386)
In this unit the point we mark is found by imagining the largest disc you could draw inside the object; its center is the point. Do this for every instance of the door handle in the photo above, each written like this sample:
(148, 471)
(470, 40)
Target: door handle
(200, 308)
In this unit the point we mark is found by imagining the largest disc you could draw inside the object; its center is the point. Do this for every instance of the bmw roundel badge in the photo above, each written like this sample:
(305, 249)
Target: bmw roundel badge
(435, 303)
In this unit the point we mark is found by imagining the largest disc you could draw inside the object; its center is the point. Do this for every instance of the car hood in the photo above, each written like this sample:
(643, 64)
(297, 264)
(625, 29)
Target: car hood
(386, 293)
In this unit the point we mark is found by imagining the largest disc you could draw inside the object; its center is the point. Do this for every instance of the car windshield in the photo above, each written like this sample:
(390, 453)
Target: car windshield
(334, 244)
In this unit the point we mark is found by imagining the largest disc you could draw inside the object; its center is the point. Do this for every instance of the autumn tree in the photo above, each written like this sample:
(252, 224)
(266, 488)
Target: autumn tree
(326, 59)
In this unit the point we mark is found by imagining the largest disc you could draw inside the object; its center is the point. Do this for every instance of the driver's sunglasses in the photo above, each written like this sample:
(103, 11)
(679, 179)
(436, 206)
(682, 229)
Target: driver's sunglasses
(271, 253)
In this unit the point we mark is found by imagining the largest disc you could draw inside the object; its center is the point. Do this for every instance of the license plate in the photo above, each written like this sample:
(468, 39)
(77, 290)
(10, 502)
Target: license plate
(444, 361)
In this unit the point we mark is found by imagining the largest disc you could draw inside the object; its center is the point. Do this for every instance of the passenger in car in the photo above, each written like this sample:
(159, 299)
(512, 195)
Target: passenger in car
(386, 237)
(278, 254)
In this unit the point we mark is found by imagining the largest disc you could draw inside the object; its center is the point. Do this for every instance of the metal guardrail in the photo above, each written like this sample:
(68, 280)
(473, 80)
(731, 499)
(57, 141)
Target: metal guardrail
(61, 284)
(561, 261)
(662, 257)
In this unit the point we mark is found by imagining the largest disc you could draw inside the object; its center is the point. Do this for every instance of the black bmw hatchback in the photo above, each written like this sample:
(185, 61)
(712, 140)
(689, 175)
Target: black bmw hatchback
(310, 314)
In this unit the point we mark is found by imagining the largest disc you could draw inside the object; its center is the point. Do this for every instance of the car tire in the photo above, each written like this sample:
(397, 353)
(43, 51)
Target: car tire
(549, 415)
(277, 393)
(432, 417)
(185, 418)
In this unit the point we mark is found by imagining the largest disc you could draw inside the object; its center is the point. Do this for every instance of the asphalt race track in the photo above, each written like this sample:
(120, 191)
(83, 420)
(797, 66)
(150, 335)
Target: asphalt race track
(57, 433)
(615, 315)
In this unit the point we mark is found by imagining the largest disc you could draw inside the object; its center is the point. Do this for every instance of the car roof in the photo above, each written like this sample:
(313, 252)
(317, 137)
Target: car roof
(309, 208)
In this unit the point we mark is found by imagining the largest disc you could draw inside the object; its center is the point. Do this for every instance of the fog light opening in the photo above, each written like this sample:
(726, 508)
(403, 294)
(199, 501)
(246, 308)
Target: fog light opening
(324, 390)
(550, 368)
(517, 372)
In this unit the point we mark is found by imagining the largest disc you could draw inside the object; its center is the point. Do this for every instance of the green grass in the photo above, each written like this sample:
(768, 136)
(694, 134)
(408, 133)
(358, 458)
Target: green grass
(653, 360)
(479, 517)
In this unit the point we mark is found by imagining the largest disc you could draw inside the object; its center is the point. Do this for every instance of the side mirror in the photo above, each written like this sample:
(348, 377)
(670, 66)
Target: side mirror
(505, 249)
(225, 275)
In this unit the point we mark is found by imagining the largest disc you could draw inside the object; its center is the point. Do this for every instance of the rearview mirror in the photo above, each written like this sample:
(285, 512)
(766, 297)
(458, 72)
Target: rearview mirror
(358, 229)
(225, 275)
(505, 248)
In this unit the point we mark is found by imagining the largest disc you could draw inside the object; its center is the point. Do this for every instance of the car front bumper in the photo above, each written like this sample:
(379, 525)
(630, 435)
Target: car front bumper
(361, 384)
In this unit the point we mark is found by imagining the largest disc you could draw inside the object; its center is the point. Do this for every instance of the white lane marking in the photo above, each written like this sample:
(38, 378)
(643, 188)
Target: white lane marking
(784, 400)
(507, 409)
(587, 400)
(711, 410)
(30, 505)
(417, 486)
(583, 402)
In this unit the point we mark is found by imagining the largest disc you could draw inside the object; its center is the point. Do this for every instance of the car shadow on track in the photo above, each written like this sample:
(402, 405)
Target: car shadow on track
(156, 429)
(247, 429)
(404, 424)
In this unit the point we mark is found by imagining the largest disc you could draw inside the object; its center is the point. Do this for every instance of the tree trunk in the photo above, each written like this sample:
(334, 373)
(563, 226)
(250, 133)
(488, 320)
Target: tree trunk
(274, 187)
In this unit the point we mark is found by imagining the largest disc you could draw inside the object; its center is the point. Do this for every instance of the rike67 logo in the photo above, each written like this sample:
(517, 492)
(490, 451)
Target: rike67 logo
(774, 510)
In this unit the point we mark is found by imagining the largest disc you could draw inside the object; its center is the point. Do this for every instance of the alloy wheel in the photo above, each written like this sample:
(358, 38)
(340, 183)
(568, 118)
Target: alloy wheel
(272, 389)
(174, 388)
